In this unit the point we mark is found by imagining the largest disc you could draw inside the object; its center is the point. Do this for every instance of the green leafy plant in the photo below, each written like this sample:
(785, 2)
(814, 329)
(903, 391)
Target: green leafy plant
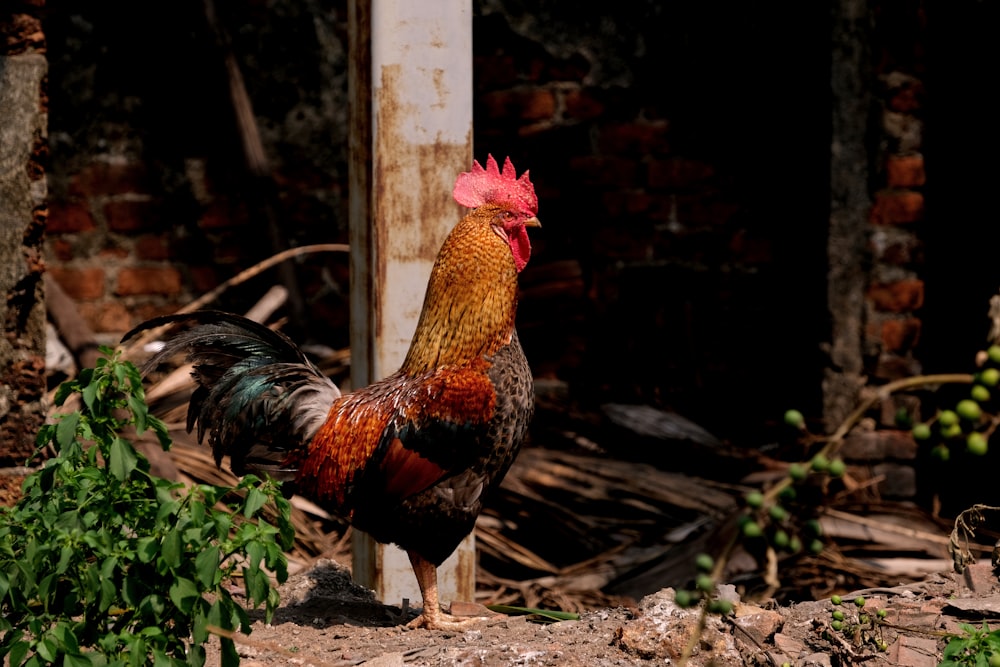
(977, 647)
(102, 563)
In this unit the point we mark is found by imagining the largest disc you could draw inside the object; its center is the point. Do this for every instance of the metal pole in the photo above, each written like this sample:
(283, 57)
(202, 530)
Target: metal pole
(410, 87)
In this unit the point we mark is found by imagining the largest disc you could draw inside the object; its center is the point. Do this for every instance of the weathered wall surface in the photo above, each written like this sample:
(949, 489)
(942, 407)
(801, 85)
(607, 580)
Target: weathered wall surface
(22, 214)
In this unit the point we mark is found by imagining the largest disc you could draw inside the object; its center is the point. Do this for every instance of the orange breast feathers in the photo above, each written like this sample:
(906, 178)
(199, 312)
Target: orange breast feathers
(388, 426)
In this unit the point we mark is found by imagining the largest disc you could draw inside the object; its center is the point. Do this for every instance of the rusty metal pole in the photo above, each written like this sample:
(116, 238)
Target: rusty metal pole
(410, 87)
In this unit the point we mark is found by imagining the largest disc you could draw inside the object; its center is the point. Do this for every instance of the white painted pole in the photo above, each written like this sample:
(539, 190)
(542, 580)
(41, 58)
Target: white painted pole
(410, 87)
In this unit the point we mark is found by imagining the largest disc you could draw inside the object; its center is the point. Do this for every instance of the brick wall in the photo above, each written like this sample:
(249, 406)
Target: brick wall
(679, 153)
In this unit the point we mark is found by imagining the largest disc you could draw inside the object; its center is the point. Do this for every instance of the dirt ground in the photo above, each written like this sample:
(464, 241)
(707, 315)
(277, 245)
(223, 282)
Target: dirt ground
(325, 620)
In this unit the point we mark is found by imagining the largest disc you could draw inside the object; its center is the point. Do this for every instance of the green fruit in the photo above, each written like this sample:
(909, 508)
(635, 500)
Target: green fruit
(780, 539)
(947, 417)
(752, 529)
(882, 613)
(836, 599)
(704, 562)
(814, 527)
(859, 601)
(704, 583)
(754, 499)
(795, 544)
(722, 607)
(990, 376)
(683, 599)
(921, 432)
(837, 468)
(778, 513)
(795, 418)
(837, 625)
(968, 409)
(976, 443)
(993, 353)
(838, 615)
(787, 494)
(951, 431)
(816, 546)
(797, 472)
(820, 463)
(903, 418)
(979, 393)
(995, 660)
(941, 452)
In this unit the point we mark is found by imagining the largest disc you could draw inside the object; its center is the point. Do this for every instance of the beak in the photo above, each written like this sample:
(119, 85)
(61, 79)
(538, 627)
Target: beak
(532, 222)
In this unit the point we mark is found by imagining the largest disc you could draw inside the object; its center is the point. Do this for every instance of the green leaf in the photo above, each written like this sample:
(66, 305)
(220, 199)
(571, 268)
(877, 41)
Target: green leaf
(257, 584)
(206, 565)
(547, 615)
(47, 649)
(170, 549)
(80, 660)
(67, 640)
(160, 429)
(123, 459)
(153, 605)
(89, 395)
(66, 429)
(146, 548)
(18, 650)
(254, 501)
(183, 594)
(230, 657)
(139, 413)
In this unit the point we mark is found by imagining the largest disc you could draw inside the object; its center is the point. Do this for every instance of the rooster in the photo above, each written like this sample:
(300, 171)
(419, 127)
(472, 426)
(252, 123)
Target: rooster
(411, 458)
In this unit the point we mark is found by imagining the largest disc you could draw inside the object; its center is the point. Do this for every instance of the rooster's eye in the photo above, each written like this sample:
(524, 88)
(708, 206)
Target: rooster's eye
(503, 217)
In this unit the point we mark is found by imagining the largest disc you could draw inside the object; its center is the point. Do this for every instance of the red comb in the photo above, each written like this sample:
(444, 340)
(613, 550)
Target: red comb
(479, 186)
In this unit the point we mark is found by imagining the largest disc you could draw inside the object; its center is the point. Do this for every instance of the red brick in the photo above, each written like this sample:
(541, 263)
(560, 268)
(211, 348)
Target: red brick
(605, 171)
(906, 171)
(80, 284)
(630, 202)
(112, 252)
(894, 207)
(203, 278)
(900, 335)
(898, 297)
(21, 32)
(61, 249)
(67, 217)
(896, 367)
(907, 98)
(581, 105)
(495, 71)
(130, 215)
(132, 281)
(531, 104)
(640, 138)
(106, 178)
(678, 173)
(152, 247)
(749, 249)
(221, 214)
(107, 317)
(906, 250)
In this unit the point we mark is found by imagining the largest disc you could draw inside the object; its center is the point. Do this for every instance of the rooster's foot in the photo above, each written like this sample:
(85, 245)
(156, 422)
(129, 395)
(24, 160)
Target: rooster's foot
(468, 616)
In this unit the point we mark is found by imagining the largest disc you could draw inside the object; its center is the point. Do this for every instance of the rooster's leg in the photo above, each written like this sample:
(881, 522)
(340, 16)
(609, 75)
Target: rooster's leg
(432, 617)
